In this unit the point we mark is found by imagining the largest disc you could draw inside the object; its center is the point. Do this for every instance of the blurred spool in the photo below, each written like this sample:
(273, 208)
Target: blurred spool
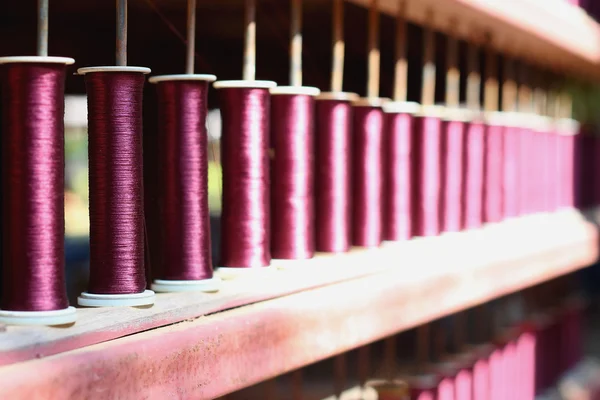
(510, 167)
(292, 172)
(398, 186)
(367, 161)
(492, 190)
(33, 282)
(423, 387)
(452, 153)
(567, 133)
(474, 174)
(527, 161)
(426, 172)
(526, 364)
(333, 113)
(245, 217)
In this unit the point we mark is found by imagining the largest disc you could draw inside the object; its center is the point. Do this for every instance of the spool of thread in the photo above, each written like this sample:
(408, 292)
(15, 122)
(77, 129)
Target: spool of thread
(493, 146)
(446, 387)
(526, 166)
(481, 371)
(33, 278)
(333, 113)
(184, 218)
(525, 364)
(398, 159)
(510, 167)
(426, 172)
(452, 150)
(292, 172)
(245, 219)
(367, 164)
(117, 273)
(474, 174)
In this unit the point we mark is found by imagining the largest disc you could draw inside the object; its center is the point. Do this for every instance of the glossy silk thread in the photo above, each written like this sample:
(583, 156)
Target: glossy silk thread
(397, 145)
(116, 189)
(183, 197)
(474, 165)
(492, 189)
(332, 170)
(292, 172)
(427, 177)
(453, 144)
(33, 187)
(367, 164)
(245, 230)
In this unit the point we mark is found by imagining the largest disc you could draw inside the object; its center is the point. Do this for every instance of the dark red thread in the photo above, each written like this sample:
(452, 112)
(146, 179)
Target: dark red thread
(367, 169)
(474, 173)
(33, 187)
(116, 191)
(332, 175)
(492, 189)
(184, 220)
(397, 146)
(245, 219)
(292, 171)
(426, 176)
(452, 153)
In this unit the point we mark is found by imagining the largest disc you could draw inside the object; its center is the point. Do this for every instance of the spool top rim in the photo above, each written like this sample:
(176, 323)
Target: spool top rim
(341, 96)
(244, 84)
(36, 59)
(432, 110)
(183, 77)
(296, 90)
(113, 68)
(402, 107)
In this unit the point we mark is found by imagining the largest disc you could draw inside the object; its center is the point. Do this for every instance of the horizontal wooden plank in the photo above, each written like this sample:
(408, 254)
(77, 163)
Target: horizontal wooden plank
(544, 32)
(413, 282)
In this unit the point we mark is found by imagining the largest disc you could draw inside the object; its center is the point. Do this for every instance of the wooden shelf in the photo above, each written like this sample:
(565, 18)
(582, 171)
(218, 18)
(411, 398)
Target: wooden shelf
(550, 33)
(298, 316)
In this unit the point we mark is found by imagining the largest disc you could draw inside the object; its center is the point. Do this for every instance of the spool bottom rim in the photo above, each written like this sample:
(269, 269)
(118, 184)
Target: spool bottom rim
(244, 84)
(36, 59)
(65, 316)
(146, 298)
(209, 285)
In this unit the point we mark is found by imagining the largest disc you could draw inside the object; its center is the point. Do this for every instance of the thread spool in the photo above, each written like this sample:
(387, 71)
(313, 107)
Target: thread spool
(117, 274)
(184, 214)
(245, 243)
(567, 130)
(33, 280)
(292, 163)
(333, 114)
(493, 178)
(452, 150)
(292, 187)
(397, 145)
(367, 172)
(245, 112)
(510, 167)
(427, 172)
(398, 179)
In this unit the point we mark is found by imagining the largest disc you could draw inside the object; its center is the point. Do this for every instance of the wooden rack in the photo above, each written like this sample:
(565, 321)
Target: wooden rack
(207, 346)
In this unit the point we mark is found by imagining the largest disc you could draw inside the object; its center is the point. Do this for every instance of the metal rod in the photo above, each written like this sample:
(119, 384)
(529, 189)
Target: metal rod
(524, 90)
(121, 32)
(401, 64)
(297, 383)
(390, 351)
(373, 50)
(452, 72)
(428, 84)
(422, 346)
(191, 37)
(509, 87)
(339, 374)
(490, 93)
(296, 44)
(337, 63)
(249, 72)
(473, 78)
(42, 28)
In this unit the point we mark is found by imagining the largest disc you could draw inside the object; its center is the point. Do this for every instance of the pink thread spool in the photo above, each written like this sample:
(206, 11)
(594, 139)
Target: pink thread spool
(510, 167)
(452, 153)
(493, 185)
(423, 387)
(426, 172)
(474, 174)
